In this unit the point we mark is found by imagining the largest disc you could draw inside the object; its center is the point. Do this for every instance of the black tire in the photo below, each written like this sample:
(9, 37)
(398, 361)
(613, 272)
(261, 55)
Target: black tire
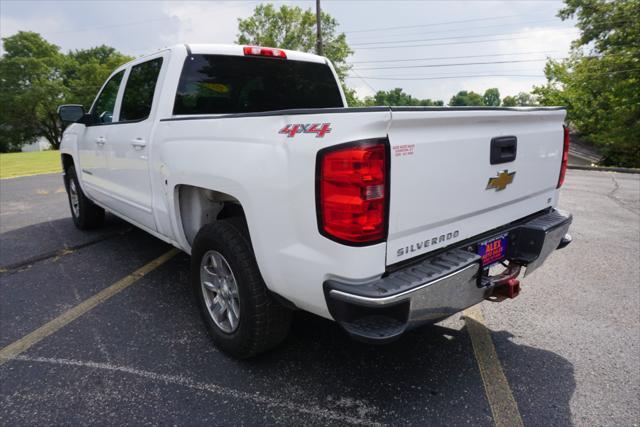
(263, 322)
(88, 215)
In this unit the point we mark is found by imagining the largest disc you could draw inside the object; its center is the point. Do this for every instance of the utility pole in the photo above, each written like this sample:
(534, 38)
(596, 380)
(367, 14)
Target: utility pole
(318, 29)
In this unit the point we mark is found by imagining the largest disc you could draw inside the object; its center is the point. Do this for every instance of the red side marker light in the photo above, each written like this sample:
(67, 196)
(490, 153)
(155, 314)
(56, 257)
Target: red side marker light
(565, 157)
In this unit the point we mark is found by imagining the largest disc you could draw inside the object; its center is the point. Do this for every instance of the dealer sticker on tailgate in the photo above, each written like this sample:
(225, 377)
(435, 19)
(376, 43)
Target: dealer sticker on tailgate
(493, 250)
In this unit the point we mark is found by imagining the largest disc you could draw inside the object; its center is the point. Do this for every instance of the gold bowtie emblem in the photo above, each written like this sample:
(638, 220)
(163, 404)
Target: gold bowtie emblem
(500, 182)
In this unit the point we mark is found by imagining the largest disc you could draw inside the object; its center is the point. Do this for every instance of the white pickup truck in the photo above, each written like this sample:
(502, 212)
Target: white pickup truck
(381, 218)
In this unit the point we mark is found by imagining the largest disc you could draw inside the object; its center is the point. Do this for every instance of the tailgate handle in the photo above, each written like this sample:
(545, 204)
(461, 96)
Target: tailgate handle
(503, 149)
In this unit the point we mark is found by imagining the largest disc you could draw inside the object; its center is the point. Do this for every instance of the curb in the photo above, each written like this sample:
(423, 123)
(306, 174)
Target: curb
(604, 169)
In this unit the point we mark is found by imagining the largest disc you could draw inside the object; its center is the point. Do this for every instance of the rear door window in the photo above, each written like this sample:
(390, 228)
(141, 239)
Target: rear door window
(221, 84)
(102, 110)
(138, 93)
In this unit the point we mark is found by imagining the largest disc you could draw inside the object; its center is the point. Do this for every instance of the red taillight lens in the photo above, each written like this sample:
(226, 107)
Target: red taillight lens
(352, 192)
(565, 157)
(264, 51)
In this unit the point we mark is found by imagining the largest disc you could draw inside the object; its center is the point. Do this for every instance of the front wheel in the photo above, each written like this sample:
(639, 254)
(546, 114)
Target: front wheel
(240, 315)
(86, 215)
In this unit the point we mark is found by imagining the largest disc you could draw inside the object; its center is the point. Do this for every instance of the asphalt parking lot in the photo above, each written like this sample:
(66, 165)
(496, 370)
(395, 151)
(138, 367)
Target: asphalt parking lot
(568, 346)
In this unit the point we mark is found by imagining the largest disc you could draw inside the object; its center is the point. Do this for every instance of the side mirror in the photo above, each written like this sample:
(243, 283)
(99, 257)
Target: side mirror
(71, 113)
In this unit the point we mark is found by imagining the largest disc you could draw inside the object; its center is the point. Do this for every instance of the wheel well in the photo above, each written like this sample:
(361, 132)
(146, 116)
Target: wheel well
(67, 162)
(200, 206)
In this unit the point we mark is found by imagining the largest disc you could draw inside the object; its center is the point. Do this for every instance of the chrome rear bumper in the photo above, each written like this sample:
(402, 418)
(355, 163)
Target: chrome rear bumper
(438, 286)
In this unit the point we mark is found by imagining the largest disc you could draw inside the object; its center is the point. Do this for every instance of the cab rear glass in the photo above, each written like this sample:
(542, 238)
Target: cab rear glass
(221, 84)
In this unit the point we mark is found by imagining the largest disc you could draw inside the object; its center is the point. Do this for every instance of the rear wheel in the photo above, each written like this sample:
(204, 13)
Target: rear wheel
(86, 214)
(240, 315)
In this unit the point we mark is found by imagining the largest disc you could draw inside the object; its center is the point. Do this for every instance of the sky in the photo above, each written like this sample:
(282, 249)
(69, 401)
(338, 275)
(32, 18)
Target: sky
(425, 47)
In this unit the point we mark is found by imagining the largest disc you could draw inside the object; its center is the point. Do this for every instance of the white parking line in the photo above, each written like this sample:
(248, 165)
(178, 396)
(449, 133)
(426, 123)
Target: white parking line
(226, 392)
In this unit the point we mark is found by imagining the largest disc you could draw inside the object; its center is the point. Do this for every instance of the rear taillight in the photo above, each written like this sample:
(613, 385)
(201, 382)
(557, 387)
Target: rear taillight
(264, 51)
(352, 192)
(565, 157)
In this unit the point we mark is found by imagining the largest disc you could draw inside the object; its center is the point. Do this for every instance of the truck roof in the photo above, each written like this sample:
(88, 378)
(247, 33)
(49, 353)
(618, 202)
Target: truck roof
(237, 50)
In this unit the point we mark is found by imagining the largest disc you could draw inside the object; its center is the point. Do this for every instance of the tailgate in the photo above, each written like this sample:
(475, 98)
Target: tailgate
(441, 168)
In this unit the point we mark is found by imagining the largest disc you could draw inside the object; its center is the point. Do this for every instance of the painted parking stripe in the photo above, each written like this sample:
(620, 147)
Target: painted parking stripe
(503, 405)
(305, 409)
(26, 342)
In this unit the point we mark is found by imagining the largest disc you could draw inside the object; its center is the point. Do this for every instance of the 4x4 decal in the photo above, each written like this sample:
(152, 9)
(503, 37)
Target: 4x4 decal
(320, 129)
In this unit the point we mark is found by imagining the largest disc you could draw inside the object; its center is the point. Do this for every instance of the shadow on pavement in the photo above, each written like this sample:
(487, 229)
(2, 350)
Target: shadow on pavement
(428, 377)
(429, 371)
(40, 241)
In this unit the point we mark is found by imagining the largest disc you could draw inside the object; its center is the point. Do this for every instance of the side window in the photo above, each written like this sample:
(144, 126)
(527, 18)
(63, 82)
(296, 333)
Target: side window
(102, 111)
(138, 93)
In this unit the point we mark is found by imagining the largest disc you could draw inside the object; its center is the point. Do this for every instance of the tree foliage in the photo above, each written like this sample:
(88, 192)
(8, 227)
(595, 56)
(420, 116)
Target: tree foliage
(31, 87)
(397, 97)
(522, 99)
(464, 97)
(88, 69)
(600, 82)
(491, 97)
(35, 77)
(291, 27)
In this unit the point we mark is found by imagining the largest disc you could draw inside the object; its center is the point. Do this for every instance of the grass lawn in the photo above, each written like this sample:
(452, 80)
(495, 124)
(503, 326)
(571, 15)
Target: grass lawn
(34, 163)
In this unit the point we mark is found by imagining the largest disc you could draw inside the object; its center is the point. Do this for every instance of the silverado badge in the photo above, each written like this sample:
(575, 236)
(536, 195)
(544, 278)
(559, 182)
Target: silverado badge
(500, 182)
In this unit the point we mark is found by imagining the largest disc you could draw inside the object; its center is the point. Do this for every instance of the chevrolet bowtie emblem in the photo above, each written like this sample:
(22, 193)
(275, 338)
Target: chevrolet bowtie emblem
(500, 182)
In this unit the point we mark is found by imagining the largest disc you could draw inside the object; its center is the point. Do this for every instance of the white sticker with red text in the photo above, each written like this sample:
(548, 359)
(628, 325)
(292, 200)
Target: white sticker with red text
(404, 150)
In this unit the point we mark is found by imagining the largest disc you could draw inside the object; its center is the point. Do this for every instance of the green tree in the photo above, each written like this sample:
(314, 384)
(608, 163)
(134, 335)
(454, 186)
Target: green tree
(291, 27)
(491, 97)
(464, 97)
(509, 101)
(522, 99)
(352, 97)
(88, 69)
(397, 97)
(35, 77)
(31, 87)
(600, 82)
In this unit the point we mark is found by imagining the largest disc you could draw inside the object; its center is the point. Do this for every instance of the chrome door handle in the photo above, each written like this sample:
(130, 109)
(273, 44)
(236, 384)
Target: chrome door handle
(138, 143)
(100, 140)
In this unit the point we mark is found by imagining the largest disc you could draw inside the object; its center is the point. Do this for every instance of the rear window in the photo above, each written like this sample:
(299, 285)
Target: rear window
(219, 84)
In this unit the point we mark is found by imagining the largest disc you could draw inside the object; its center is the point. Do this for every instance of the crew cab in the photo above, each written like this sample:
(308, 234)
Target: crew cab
(381, 219)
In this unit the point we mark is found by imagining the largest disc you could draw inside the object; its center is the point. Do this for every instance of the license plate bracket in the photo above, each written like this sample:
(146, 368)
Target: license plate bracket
(493, 250)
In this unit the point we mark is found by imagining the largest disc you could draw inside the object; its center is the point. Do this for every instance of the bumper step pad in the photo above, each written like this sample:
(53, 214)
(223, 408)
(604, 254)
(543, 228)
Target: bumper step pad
(410, 277)
(375, 327)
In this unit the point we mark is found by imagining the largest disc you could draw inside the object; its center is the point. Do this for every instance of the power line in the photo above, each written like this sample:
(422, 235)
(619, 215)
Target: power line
(619, 21)
(538, 21)
(486, 75)
(438, 38)
(363, 80)
(420, 73)
(455, 57)
(456, 64)
(433, 24)
(443, 44)
(452, 77)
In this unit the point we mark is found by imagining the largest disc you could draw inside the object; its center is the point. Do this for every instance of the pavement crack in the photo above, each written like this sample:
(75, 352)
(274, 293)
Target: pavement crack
(611, 195)
(56, 254)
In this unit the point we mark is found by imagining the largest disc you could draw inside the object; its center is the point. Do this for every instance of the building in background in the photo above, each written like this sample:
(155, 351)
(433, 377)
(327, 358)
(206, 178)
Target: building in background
(40, 144)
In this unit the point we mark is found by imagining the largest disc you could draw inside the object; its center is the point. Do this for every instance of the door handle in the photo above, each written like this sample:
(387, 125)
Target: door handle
(100, 140)
(138, 143)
